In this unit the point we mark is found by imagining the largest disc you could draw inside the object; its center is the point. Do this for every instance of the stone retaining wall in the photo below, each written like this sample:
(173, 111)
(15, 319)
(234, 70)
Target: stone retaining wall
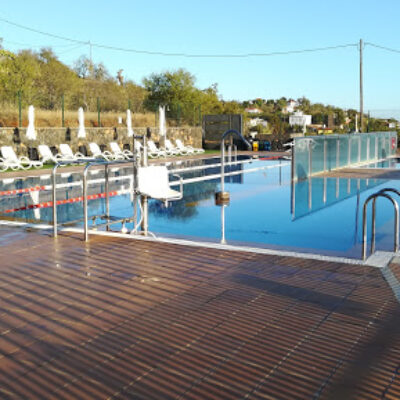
(16, 137)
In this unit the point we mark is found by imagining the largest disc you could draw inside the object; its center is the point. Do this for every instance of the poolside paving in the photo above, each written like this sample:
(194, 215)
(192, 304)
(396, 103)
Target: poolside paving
(131, 319)
(363, 173)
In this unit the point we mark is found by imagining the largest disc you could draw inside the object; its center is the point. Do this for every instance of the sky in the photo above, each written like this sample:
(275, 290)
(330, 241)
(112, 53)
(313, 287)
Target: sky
(228, 27)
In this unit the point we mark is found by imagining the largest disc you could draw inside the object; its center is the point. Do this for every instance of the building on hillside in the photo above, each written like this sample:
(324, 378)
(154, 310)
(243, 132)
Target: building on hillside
(290, 106)
(252, 122)
(298, 118)
(253, 110)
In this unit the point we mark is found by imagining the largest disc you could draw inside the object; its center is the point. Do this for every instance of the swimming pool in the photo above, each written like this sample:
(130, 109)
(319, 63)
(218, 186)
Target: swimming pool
(317, 215)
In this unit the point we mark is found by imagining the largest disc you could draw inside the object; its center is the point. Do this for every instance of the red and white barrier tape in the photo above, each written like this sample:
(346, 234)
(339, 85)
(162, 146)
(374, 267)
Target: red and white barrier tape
(20, 191)
(48, 204)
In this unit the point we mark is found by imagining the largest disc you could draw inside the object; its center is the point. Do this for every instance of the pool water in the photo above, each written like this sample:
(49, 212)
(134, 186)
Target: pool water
(319, 215)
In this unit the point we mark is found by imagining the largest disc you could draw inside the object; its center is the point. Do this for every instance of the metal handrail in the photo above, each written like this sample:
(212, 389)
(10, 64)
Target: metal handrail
(85, 196)
(86, 164)
(364, 233)
(54, 189)
(228, 132)
(391, 190)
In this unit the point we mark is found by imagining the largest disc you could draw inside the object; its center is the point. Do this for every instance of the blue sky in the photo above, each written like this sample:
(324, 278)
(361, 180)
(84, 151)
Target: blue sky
(221, 27)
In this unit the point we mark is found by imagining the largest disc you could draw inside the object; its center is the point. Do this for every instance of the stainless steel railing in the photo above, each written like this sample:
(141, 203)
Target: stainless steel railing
(374, 197)
(86, 165)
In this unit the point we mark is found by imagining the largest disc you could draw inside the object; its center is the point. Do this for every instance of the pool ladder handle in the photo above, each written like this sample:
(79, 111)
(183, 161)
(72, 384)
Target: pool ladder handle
(374, 197)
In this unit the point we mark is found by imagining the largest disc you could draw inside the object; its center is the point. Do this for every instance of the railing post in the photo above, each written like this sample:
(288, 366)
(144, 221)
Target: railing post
(85, 205)
(106, 187)
(325, 153)
(54, 198)
(309, 159)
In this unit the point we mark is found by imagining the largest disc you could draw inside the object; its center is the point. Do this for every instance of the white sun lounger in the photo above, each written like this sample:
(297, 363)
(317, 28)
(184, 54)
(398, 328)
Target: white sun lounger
(171, 150)
(154, 151)
(47, 155)
(187, 149)
(11, 160)
(67, 154)
(120, 154)
(106, 155)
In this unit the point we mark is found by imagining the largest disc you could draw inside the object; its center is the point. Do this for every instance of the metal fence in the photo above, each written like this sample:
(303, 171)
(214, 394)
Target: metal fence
(316, 154)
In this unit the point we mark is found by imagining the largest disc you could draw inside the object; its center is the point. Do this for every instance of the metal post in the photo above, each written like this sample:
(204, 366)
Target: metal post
(54, 181)
(98, 112)
(223, 240)
(309, 159)
(85, 205)
(106, 188)
(292, 166)
(19, 109)
(361, 86)
(62, 111)
(325, 151)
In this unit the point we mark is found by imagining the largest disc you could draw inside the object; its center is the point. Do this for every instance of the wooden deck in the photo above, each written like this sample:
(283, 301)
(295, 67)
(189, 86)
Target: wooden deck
(363, 173)
(122, 319)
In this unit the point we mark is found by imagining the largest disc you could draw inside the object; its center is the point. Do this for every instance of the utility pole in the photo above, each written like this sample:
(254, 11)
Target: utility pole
(361, 86)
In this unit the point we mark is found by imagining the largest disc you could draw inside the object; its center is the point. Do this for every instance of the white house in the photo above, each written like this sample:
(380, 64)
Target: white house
(291, 105)
(298, 118)
(257, 121)
(253, 110)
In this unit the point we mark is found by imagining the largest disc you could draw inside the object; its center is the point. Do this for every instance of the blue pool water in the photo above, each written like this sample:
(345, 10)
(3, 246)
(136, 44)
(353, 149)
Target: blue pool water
(320, 215)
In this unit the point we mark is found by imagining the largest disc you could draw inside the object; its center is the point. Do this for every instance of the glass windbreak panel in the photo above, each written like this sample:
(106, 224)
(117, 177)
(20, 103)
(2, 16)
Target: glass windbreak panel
(372, 146)
(301, 158)
(364, 146)
(393, 139)
(331, 150)
(354, 146)
(343, 150)
(317, 155)
(381, 149)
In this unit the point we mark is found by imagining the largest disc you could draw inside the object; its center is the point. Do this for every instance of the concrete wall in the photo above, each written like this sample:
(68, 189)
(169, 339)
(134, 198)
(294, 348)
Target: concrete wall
(102, 136)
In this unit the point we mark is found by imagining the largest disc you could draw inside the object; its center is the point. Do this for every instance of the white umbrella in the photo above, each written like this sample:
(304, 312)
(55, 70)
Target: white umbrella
(129, 123)
(30, 132)
(81, 119)
(162, 121)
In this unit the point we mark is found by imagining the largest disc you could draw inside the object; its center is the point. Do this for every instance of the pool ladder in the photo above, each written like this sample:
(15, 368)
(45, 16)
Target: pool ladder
(374, 197)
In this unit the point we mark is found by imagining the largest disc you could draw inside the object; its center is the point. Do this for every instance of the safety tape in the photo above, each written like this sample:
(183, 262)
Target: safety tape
(48, 204)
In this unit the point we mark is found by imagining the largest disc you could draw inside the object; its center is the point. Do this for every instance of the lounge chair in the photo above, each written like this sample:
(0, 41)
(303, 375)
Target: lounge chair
(153, 182)
(120, 154)
(11, 160)
(154, 151)
(97, 153)
(187, 149)
(47, 155)
(67, 154)
(171, 150)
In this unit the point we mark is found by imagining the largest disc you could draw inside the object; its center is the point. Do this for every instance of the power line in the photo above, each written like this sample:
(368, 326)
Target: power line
(188, 55)
(382, 47)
